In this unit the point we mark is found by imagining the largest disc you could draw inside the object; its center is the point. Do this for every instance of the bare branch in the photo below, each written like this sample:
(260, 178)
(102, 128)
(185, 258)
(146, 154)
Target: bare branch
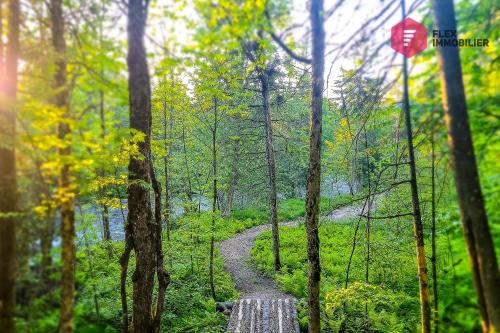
(283, 45)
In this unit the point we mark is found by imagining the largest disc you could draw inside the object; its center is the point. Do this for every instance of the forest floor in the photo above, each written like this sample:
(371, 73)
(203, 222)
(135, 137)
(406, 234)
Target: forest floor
(249, 281)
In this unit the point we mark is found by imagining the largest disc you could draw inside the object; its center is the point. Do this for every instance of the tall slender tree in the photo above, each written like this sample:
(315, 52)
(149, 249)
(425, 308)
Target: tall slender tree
(433, 234)
(425, 310)
(213, 129)
(142, 230)
(477, 233)
(8, 180)
(167, 139)
(314, 177)
(256, 53)
(271, 164)
(102, 115)
(66, 185)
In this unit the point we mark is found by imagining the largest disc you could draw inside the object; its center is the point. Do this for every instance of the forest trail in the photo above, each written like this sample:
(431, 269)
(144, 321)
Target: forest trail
(262, 304)
(235, 251)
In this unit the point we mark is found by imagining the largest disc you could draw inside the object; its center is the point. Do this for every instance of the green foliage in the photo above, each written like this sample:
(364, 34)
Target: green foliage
(208, 81)
(188, 307)
(392, 294)
(291, 209)
(364, 307)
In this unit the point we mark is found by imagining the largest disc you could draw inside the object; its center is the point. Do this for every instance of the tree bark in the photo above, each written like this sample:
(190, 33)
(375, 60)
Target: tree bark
(167, 137)
(271, 166)
(162, 275)
(8, 180)
(189, 189)
(105, 223)
(353, 181)
(66, 186)
(368, 213)
(214, 199)
(314, 177)
(105, 210)
(482, 256)
(104, 206)
(233, 181)
(139, 205)
(433, 236)
(418, 227)
(142, 231)
(46, 238)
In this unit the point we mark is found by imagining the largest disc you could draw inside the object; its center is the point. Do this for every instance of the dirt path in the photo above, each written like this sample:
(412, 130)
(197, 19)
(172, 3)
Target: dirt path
(251, 283)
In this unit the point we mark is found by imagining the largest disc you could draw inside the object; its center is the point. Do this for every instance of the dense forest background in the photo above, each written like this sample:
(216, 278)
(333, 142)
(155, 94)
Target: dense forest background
(136, 135)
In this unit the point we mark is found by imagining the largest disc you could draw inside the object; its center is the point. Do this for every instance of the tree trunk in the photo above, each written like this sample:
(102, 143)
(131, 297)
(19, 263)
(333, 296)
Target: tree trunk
(8, 181)
(353, 181)
(46, 223)
(233, 181)
(418, 227)
(433, 235)
(166, 160)
(477, 234)
(189, 189)
(104, 206)
(271, 167)
(214, 199)
(314, 177)
(106, 231)
(162, 275)
(142, 231)
(368, 212)
(46, 238)
(139, 205)
(90, 269)
(66, 186)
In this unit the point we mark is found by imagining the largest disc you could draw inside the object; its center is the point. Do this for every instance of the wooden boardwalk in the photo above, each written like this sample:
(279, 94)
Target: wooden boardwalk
(264, 316)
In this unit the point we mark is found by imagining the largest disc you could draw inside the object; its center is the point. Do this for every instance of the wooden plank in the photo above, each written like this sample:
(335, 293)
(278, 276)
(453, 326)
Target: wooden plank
(264, 316)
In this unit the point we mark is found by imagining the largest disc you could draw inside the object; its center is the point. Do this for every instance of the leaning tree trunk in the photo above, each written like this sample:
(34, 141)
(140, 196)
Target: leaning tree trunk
(418, 228)
(314, 177)
(271, 167)
(66, 186)
(8, 181)
(477, 233)
(142, 231)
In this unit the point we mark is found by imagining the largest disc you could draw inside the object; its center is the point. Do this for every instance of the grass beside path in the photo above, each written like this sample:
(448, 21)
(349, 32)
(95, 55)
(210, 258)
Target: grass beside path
(391, 296)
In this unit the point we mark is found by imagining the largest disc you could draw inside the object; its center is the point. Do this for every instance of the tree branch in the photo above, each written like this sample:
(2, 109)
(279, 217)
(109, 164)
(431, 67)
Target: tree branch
(283, 45)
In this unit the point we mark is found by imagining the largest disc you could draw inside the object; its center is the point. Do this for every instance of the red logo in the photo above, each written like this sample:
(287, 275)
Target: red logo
(408, 37)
